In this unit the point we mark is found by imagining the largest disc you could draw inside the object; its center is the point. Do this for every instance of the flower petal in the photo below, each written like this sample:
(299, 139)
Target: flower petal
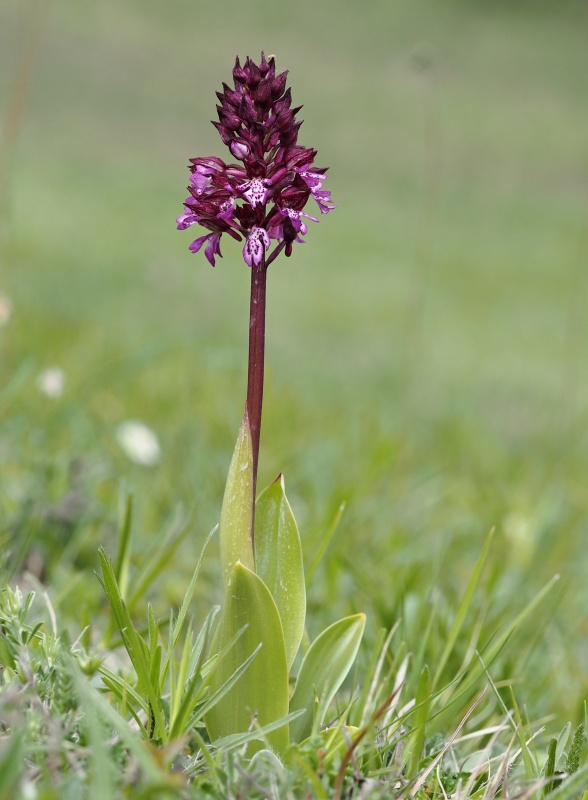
(257, 243)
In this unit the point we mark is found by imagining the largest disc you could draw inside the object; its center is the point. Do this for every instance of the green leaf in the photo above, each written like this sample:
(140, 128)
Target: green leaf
(549, 769)
(324, 542)
(261, 693)
(122, 690)
(123, 555)
(237, 510)
(323, 670)
(12, 763)
(463, 609)
(562, 741)
(239, 739)
(421, 716)
(134, 644)
(575, 752)
(278, 559)
(531, 771)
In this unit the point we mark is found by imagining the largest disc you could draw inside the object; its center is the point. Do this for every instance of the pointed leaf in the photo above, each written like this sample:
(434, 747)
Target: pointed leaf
(323, 670)
(421, 716)
(549, 768)
(278, 560)
(463, 609)
(237, 510)
(562, 741)
(123, 555)
(133, 642)
(262, 691)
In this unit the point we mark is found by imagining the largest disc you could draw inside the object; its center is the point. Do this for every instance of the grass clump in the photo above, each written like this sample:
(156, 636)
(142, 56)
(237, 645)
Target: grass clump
(121, 709)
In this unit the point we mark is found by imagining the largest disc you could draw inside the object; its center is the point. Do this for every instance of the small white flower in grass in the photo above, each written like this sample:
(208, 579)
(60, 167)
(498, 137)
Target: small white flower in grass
(51, 382)
(139, 443)
(5, 309)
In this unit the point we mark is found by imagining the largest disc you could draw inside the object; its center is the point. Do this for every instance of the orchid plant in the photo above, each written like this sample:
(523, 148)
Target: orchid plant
(261, 201)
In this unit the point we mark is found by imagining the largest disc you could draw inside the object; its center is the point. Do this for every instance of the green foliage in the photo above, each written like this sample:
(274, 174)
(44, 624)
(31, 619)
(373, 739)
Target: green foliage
(81, 743)
(561, 763)
(263, 619)
(577, 749)
(11, 766)
(250, 626)
(324, 668)
(278, 559)
(549, 770)
(416, 743)
(168, 698)
(236, 520)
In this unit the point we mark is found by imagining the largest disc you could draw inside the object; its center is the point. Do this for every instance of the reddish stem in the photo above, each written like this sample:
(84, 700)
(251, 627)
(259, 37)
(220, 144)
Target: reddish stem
(256, 364)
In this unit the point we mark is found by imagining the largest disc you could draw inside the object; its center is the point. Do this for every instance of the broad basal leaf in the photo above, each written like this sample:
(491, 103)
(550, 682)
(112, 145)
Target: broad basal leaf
(278, 560)
(261, 693)
(325, 666)
(237, 511)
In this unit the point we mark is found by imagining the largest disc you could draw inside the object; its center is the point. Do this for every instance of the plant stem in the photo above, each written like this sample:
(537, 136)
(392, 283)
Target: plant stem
(256, 365)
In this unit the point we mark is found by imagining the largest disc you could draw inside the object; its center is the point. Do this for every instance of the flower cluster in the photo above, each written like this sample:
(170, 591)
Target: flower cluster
(262, 199)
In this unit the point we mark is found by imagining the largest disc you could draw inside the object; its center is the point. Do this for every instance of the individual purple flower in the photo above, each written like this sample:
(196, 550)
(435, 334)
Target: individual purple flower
(256, 245)
(212, 248)
(185, 220)
(295, 218)
(255, 191)
(262, 198)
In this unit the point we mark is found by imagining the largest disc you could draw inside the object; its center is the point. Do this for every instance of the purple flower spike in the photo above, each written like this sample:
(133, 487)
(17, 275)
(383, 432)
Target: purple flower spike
(262, 198)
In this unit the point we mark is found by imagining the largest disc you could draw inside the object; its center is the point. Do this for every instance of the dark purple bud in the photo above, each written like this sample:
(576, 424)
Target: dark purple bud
(284, 120)
(229, 96)
(263, 95)
(296, 195)
(225, 134)
(264, 67)
(281, 105)
(299, 157)
(208, 165)
(279, 85)
(253, 75)
(289, 136)
(229, 120)
(247, 110)
(239, 74)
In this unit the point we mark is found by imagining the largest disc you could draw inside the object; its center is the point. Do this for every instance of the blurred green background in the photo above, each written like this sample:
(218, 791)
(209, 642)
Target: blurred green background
(426, 358)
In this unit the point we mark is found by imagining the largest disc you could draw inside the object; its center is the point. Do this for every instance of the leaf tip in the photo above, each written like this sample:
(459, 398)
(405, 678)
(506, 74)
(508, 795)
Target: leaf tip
(280, 480)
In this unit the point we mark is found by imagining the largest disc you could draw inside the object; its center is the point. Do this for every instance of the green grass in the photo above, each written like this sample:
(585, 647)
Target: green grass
(426, 347)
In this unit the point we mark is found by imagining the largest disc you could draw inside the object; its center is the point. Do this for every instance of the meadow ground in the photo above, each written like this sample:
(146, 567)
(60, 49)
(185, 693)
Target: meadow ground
(426, 347)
